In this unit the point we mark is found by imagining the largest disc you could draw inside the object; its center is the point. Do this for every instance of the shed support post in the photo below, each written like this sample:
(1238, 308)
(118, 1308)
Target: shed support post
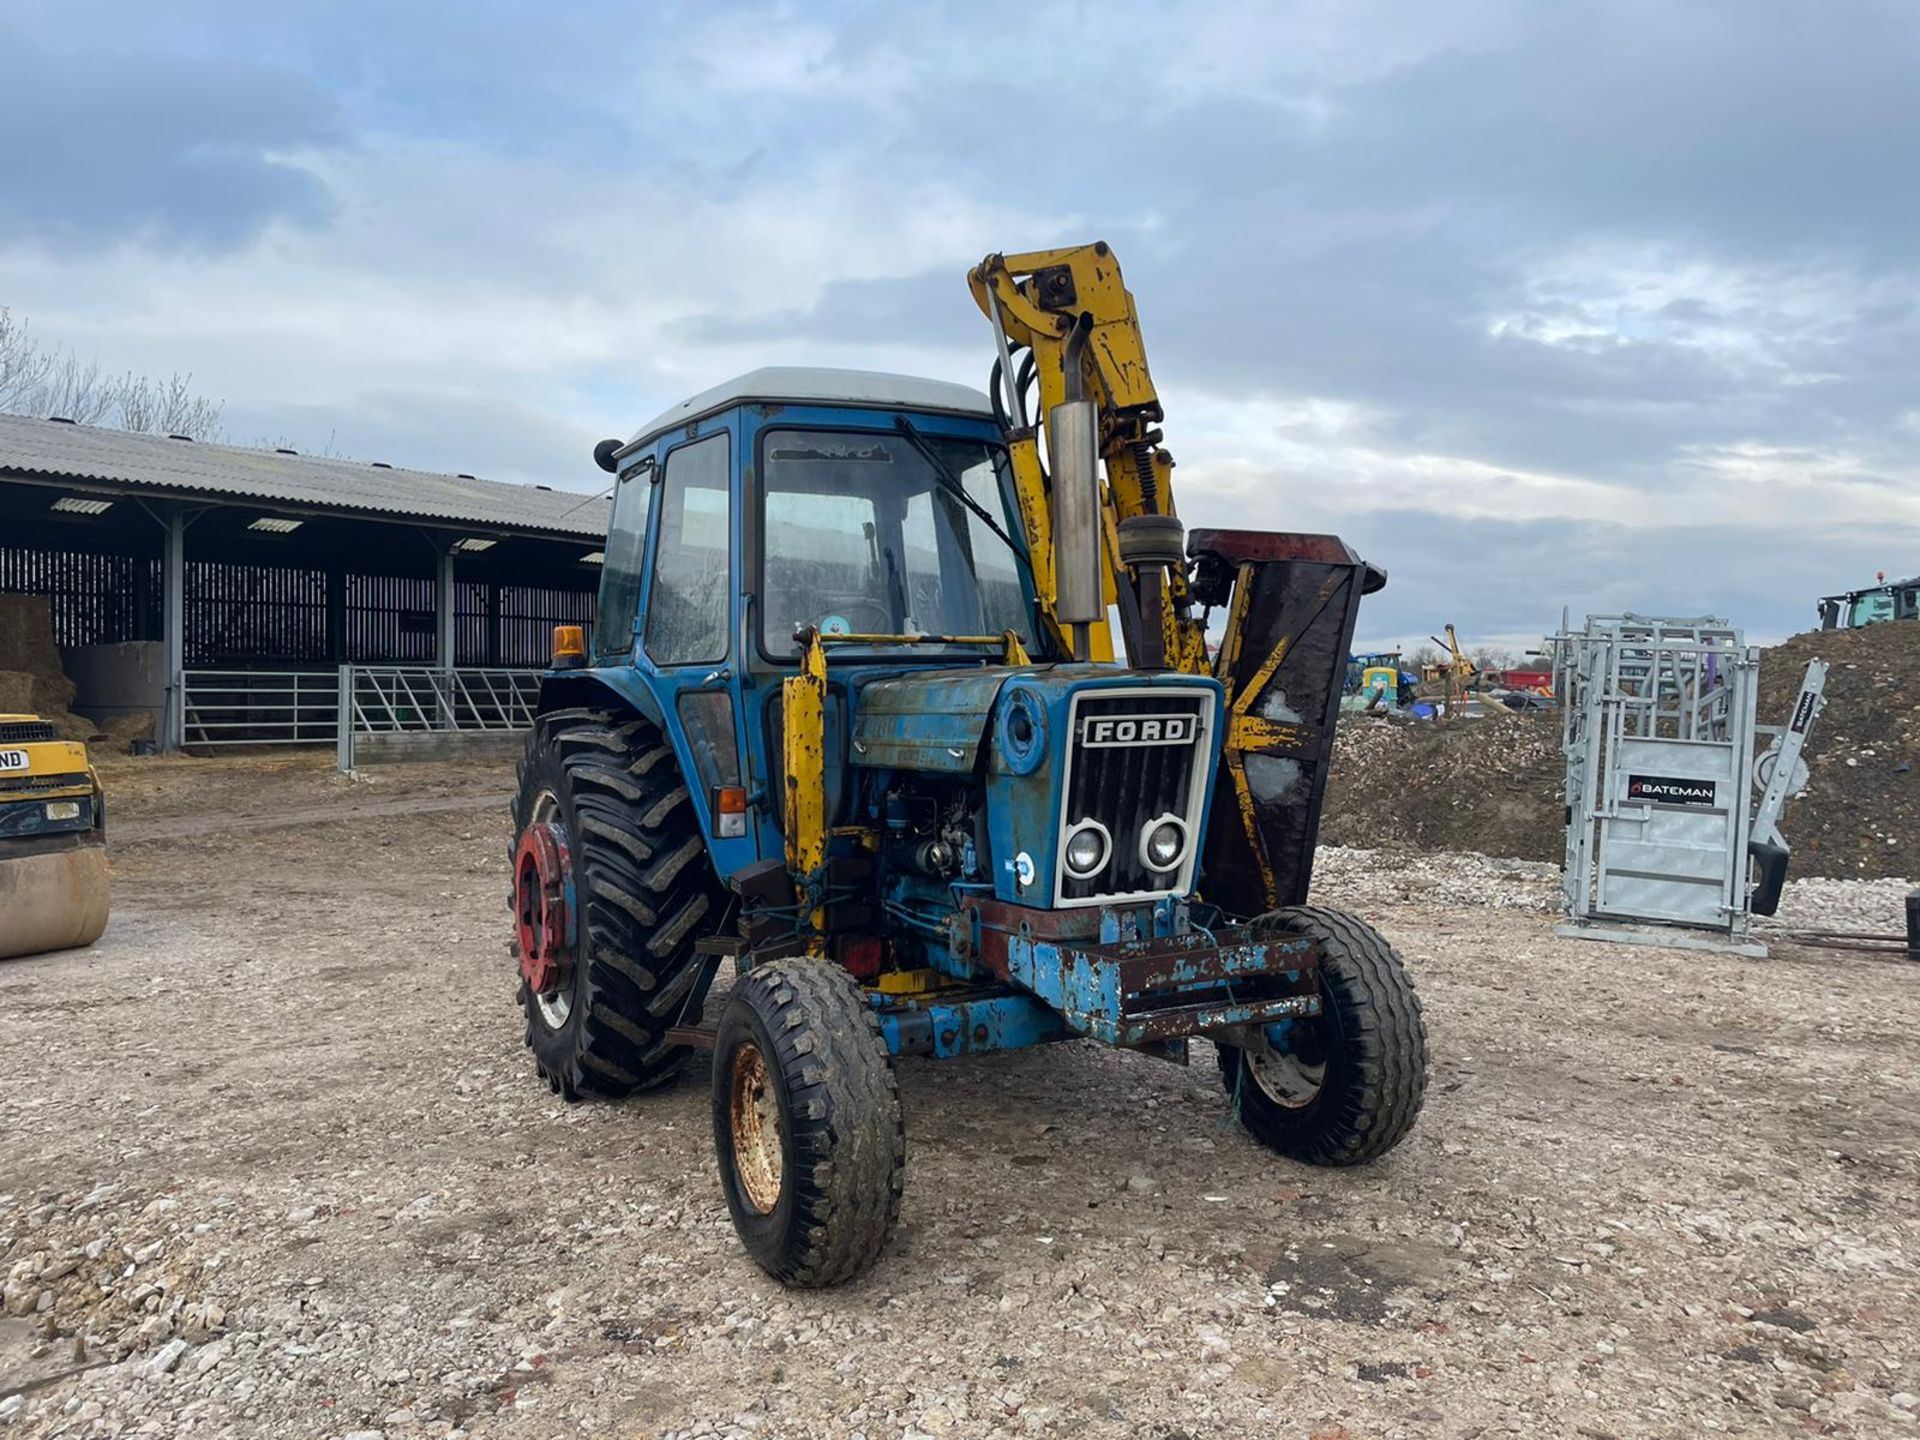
(173, 631)
(493, 623)
(337, 615)
(443, 656)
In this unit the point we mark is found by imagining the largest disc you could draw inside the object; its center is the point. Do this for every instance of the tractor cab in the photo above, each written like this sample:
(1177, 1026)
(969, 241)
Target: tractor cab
(875, 511)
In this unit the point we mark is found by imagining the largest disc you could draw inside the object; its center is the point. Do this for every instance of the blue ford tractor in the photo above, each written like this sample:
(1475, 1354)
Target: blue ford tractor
(852, 719)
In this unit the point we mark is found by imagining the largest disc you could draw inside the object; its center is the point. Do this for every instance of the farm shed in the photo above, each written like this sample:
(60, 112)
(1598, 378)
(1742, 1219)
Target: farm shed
(222, 589)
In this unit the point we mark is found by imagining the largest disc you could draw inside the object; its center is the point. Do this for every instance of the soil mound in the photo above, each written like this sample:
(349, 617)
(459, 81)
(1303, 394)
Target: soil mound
(1860, 815)
(1490, 784)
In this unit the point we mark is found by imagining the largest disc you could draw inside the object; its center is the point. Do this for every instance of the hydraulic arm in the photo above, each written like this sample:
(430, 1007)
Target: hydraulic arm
(1072, 314)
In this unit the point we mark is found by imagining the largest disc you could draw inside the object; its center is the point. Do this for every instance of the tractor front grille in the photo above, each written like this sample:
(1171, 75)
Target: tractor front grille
(1123, 773)
(35, 784)
(25, 732)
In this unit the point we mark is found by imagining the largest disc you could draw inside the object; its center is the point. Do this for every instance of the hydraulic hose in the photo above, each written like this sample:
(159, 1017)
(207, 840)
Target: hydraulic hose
(999, 396)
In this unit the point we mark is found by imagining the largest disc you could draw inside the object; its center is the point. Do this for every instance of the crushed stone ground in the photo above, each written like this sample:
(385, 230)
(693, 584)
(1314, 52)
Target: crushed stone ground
(273, 1162)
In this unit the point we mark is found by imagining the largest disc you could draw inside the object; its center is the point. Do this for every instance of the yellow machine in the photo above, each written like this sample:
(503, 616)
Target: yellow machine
(1460, 672)
(53, 855)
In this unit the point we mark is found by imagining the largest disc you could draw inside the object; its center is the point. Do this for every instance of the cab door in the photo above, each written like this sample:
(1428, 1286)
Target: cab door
(688, 630)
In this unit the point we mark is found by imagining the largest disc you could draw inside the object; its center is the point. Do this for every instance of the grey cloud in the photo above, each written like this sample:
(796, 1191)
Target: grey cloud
(929, 308)
(184, 154)
(1356, 240)
(1495, 577)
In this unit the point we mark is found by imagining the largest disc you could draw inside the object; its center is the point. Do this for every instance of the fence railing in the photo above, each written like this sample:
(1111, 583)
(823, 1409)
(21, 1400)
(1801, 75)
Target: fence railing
(320, 707)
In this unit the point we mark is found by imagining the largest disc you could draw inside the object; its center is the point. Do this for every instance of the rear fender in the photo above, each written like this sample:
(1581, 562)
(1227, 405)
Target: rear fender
(627, 688)
(622, 688)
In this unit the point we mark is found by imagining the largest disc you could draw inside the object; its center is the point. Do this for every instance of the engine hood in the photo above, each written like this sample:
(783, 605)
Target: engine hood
(936, 721)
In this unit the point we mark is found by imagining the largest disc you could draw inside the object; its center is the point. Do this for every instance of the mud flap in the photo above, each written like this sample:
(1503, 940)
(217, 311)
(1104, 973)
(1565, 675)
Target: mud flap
(1771, 863)
(53, 896)
(1294, 600)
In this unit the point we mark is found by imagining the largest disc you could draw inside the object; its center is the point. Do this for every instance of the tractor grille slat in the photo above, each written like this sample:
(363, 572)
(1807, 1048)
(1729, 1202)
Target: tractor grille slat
(33, 784)
(1124, 786)
(25, 732)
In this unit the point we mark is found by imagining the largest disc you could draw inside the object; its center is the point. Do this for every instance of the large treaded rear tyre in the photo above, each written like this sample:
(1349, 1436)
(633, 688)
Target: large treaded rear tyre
(1368, 1051)
(644, 891)
(806, 1122)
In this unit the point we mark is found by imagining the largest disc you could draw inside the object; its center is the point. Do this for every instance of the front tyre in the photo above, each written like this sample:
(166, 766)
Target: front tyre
(806, 1122)
(1345, 1087)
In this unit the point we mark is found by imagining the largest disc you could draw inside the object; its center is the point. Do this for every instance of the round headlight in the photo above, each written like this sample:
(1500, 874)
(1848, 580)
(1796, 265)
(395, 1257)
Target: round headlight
(1087, 849)
(1163, 843)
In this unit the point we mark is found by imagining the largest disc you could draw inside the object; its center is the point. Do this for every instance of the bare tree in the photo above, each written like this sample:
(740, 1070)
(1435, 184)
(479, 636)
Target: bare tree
(1422, 656)
(76, 392)
(23, 365)
(1491, 657)
(37, 381)
(165, 407)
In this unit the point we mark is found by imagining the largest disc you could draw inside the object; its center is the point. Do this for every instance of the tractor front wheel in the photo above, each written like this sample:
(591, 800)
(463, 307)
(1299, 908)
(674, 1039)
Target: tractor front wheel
(1345, 1086)
(806, 1122)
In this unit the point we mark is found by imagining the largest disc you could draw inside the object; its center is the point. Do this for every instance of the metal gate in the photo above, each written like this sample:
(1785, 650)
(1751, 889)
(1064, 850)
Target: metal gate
(402, 699)
(1658, 718)
(233, 708)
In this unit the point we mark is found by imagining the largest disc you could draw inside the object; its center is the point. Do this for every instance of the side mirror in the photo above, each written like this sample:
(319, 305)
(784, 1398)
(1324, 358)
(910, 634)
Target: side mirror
(604, 452)
(1074, 450)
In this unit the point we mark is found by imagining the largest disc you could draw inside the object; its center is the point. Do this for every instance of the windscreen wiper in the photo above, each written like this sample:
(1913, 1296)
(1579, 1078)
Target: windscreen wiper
(954, 486)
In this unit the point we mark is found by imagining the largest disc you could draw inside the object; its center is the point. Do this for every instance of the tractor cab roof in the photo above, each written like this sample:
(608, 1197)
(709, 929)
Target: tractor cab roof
(794, 384)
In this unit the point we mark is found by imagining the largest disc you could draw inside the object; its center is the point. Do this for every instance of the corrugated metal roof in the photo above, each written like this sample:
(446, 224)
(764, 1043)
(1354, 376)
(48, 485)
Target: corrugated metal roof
(793, 383)
(114, 457)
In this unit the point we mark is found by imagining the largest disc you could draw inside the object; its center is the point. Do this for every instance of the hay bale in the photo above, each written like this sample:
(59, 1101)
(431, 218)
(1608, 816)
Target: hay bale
(26, 647)
(32, 679)
(16, 692)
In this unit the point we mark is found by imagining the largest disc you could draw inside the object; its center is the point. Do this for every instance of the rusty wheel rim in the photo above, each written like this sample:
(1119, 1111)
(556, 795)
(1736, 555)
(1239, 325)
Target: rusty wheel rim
(754, 1112)
(1286, 1080)
(555, 1002)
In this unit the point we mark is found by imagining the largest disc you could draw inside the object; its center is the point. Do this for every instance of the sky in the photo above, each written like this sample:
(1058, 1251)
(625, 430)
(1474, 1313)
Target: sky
(1538, 305)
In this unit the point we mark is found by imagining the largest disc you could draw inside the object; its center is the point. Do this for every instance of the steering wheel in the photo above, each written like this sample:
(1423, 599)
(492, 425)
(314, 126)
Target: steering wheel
(864, 615)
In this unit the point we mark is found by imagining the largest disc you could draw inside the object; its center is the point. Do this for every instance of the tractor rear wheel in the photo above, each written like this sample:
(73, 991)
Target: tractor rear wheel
(612, 886)
(806, 1122)
(1346, 1086)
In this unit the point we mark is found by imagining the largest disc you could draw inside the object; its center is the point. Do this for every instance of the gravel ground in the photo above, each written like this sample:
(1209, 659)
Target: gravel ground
(273, 1162)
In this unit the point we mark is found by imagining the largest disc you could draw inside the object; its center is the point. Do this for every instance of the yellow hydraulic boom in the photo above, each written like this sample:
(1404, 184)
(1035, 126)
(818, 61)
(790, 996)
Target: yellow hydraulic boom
(1073, 314)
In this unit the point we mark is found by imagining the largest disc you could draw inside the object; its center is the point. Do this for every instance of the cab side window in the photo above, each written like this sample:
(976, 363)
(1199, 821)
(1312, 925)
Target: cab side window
(620, 571)
(688, 606)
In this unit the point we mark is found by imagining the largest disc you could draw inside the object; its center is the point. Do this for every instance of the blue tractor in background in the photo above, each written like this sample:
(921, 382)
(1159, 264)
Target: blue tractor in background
(851, 720)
